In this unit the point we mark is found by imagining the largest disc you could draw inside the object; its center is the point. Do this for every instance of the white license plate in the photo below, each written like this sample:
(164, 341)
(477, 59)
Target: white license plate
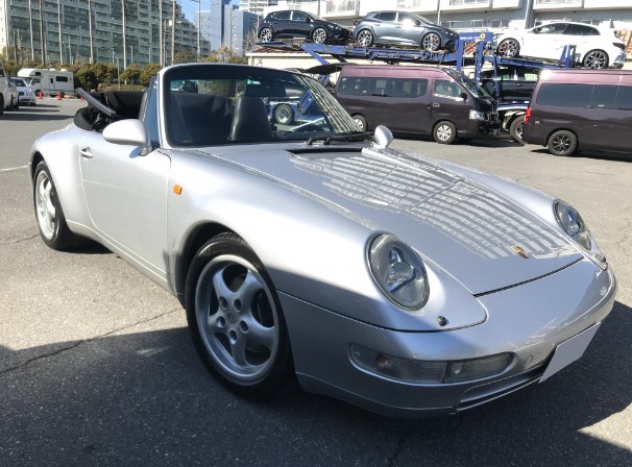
(569, 351)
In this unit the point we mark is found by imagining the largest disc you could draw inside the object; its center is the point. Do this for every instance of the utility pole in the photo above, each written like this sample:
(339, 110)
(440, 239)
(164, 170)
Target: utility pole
(31, 26)
(61, 44)
(199, 27)
(173, 30)
(42, 38)
(90, 26)
(160, 30)
(124, 41)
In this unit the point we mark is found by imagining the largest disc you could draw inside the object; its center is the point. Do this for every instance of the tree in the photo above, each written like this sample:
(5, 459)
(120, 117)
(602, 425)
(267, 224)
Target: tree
(224, 55)
(86, 78)
(184, 56)
(131, 73)
(148, 71)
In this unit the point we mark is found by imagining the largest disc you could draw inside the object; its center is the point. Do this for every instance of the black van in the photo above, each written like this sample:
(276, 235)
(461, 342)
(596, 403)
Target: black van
(422, 100)
(575, 109)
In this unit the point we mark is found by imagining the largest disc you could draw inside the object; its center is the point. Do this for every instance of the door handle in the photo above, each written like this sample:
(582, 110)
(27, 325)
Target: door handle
(436, 104)
(86, 153)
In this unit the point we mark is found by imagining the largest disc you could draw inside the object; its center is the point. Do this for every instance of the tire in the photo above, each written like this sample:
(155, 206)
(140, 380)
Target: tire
(444, 132)
(11, 105)
(562, 143)
(361, 121)
(283, 114)
(1, 104)
(516, 129)
(508, 48)
(266, 35)
(319, 36)
(596, 59)
(235, 318)
(431, 42)
(366, 38)
(49, 215)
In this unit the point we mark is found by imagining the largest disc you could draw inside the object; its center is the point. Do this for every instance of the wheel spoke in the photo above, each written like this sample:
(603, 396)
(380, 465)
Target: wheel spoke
(261, 334)
(220, 286)
(248, 289)
(238, 351)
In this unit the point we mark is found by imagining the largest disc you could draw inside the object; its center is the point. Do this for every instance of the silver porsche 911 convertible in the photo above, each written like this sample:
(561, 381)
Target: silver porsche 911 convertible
(402, 284)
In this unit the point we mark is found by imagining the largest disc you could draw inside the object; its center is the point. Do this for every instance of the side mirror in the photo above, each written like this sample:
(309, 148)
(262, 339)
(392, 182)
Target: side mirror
(130, 132)
(463, 96)
(382, 137)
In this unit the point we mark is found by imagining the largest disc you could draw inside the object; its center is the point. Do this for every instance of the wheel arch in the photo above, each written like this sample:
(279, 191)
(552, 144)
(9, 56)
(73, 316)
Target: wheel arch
(193, 242)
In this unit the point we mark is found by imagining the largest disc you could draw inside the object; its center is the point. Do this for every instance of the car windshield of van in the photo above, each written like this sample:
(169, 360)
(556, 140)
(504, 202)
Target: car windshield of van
(474, 88)
(233, 104)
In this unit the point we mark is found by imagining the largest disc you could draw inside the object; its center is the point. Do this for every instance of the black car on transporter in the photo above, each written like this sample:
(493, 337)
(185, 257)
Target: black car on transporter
(299, 24)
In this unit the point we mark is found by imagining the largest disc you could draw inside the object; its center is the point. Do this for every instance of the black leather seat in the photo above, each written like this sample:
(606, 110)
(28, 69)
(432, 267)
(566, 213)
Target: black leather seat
(250, 122)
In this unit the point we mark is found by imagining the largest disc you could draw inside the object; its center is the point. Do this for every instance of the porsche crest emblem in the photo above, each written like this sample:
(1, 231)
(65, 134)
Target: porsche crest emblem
(519, 251)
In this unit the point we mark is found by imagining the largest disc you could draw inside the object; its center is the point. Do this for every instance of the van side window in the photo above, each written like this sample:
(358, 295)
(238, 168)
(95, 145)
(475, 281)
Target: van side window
(603, 97)
(447, 88)
(624, 98)
(565, 95)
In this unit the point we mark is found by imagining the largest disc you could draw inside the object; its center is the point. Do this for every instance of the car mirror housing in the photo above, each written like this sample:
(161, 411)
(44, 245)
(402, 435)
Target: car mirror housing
(463, 96)
(128, 132)
(382, 137)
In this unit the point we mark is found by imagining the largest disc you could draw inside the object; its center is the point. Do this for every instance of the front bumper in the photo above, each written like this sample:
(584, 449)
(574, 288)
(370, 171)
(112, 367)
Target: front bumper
(529, 321)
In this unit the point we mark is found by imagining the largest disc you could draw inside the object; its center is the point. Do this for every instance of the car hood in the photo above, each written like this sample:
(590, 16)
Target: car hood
(481, 238)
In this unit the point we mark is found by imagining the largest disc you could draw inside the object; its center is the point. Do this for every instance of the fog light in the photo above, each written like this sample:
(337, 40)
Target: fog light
(477, 368)
(428, 371)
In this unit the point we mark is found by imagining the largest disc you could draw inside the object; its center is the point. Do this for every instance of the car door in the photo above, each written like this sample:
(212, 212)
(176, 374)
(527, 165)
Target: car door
(408, 29)
(546, 41)
(385, 27)
(126, 195)
(583, 37)
(611, 115)
(448, 104)
(281, 23)
(300, 24)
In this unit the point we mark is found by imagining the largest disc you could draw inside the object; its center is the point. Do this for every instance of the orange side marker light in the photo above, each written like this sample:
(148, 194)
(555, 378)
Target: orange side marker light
(177, 189)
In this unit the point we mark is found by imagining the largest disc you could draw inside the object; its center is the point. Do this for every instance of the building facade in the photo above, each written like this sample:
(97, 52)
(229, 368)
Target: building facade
(84, 31)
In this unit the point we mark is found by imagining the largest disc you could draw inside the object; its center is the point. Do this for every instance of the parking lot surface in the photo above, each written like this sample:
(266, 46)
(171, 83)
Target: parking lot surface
(97, 368)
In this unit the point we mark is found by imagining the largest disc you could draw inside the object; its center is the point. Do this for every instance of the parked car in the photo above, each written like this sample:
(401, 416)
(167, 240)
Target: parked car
(14, 98)
(400, 283)
(403, 28)
(510, 84)
(299, 24)
(25, 93)
(438, 102)
(573, 110)
(594, 47)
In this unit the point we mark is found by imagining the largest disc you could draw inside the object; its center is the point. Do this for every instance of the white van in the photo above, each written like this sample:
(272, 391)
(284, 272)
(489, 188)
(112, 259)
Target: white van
(50, 82)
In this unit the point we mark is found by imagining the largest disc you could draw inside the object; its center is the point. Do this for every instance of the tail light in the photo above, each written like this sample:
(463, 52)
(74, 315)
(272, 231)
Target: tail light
(527, 114)
(621, 46)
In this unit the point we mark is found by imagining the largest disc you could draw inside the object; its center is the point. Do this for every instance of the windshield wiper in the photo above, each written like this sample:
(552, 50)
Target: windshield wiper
(348, 136)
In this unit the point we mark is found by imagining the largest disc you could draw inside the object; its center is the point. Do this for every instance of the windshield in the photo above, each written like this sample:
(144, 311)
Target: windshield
(233, 104)
(19, 82)
(474, 88)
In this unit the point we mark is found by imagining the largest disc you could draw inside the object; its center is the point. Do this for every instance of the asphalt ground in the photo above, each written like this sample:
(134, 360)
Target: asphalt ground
(97, 368)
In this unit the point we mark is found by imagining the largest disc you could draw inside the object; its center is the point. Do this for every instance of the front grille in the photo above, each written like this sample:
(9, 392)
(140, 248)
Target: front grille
(488, 392)
(491, 116)
(20, 93)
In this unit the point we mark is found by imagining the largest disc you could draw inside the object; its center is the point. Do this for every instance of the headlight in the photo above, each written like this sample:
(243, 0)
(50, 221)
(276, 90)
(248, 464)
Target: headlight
(476, 115)
(573, 224)
(398, 271)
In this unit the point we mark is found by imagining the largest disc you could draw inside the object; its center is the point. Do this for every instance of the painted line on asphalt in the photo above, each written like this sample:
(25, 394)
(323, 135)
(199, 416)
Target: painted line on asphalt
(15, 168)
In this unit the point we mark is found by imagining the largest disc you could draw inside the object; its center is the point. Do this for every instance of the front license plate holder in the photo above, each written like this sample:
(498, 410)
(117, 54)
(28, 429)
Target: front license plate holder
(569, 351)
